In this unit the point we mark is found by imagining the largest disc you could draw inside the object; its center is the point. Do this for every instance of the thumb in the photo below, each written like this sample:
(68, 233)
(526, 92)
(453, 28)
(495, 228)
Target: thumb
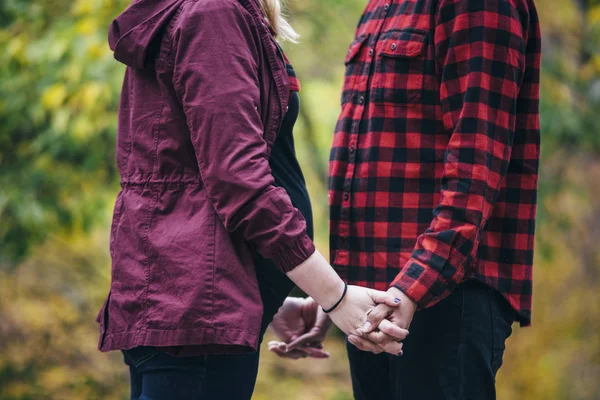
(303, 340)
(383, 297)
(374, 318)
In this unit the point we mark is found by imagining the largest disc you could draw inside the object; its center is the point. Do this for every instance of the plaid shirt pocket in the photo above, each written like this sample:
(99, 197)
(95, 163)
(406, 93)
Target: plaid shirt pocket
(399, 67)
(353, 65)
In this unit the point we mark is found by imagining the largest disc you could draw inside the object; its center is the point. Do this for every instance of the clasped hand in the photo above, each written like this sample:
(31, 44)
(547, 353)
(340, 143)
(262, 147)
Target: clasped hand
(374, 321)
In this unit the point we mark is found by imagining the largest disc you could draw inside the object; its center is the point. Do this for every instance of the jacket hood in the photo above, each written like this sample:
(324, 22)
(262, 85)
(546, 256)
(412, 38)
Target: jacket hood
(134, 35)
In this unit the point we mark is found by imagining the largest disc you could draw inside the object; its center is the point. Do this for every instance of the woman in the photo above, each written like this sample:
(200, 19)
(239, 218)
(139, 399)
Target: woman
(207, 166)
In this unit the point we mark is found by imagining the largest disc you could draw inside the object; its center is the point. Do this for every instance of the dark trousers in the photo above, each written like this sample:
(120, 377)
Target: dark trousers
(156, 375)
(453, 351)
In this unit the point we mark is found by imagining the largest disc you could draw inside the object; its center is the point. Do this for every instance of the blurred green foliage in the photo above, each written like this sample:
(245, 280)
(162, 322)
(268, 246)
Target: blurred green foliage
(59, 88)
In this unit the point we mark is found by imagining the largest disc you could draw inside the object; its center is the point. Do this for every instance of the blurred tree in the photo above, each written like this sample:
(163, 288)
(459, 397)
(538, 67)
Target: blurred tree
(58, 97)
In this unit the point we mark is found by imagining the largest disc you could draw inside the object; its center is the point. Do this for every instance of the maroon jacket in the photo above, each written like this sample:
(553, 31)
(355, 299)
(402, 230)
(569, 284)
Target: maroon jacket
(202, 102)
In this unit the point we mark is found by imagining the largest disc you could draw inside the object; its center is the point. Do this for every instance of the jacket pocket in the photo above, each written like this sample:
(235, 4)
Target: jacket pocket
(355, 64)
(400, 67)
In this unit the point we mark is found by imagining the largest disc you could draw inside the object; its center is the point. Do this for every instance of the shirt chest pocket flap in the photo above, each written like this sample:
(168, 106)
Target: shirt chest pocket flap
(400, 67)
(354, 66)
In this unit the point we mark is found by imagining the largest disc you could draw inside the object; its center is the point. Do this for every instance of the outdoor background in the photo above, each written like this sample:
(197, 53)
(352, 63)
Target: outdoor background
(59, 89)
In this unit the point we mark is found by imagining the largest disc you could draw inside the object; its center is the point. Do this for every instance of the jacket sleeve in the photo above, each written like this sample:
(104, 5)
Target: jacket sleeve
(480, 55)
(217, 80)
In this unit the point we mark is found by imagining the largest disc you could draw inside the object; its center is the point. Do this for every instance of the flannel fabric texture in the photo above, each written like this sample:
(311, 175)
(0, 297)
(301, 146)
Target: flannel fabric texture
(434, 164)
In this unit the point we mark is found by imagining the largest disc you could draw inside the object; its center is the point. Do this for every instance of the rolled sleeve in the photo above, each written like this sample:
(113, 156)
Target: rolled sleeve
(480, 52)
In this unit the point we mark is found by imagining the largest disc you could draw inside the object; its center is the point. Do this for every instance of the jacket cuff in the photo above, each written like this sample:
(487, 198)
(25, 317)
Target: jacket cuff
(288, 257)
(421, 283)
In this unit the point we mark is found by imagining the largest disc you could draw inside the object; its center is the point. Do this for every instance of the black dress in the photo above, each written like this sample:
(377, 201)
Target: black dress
(274, 285)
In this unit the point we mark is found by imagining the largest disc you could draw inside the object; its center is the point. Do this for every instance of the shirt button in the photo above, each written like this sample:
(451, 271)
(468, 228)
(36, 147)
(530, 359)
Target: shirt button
(394, 46)
(352, 149)
(346, 196)
(371, 52)
(361, 100)
(386, 7)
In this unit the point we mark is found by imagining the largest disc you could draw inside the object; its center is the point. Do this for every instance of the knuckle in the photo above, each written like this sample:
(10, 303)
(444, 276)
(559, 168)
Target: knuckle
(379, 339)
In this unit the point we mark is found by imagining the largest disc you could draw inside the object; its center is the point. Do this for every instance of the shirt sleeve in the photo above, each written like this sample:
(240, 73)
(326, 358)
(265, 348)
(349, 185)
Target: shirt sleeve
(216, 77)
(480, 56)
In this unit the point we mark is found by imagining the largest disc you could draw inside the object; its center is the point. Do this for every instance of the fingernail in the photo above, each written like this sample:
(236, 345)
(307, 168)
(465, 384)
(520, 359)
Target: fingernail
(397, 300)
(366, 327)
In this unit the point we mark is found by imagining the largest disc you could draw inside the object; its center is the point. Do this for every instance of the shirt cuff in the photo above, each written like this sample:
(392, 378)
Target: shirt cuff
(288, 257)
(421, 283)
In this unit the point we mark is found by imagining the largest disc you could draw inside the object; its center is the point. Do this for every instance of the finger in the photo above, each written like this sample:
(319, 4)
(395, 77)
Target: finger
(385, 298)
(374, 318)
(282, 346)
(294, 355)
(274, 343)
(364, 345)
(385, 342)
(303, 340)
(315, 353)
(392, 330)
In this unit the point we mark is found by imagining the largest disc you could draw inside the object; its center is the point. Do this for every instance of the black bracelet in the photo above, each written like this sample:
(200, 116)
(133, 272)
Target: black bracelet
(339, 301)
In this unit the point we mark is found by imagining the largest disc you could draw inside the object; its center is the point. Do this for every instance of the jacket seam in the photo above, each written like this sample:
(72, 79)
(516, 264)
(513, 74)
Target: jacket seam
(147, 261)
(137, 330)
(274, 68)
(160, 110)
(214, 269)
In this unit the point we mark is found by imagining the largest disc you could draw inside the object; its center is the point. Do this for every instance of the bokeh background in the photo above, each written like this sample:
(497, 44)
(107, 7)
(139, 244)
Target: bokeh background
(59, 88)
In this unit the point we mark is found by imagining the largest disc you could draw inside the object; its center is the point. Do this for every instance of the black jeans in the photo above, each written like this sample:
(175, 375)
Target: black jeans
(453, 351)
(156, 375)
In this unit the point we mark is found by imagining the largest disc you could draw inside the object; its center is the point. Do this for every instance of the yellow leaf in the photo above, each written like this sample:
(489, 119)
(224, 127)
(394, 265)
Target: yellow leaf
(54, 96)
(97, 50)
(16, 47)
(594, 15)
(82, 7)
(82, 128)
(90, 94)
(86, 26)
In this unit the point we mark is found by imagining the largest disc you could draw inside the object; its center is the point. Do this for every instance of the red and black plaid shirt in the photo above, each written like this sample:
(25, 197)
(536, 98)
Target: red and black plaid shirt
(434, 164)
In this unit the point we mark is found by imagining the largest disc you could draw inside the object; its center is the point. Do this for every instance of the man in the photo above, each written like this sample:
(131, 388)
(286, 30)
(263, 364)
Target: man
(433, 182)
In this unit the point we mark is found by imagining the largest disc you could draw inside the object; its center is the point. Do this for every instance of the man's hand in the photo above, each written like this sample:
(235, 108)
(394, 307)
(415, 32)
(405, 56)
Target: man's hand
(300, 322)
(382, 322)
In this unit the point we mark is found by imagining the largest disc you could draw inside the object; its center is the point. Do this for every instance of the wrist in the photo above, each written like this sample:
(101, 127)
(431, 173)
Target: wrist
(338, 302)
(318, 280)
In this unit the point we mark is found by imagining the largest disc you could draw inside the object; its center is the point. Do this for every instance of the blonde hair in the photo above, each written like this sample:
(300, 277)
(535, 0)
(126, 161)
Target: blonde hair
(272, 9)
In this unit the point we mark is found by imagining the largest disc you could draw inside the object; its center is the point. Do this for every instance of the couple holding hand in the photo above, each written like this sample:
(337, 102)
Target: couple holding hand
(432, 193)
